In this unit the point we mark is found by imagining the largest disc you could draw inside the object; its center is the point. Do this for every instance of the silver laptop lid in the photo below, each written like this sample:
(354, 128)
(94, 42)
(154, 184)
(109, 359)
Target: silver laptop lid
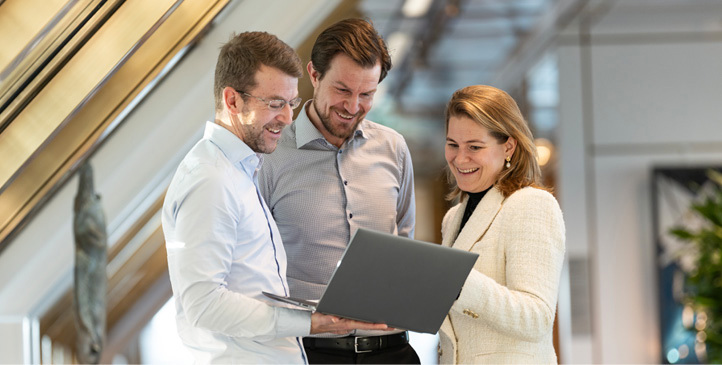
(404, 283)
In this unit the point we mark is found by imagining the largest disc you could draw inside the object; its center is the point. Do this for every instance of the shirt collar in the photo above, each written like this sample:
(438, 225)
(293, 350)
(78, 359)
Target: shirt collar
(306, 132)
(233, 148)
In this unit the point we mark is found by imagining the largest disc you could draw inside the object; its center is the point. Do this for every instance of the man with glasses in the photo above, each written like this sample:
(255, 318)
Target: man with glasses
(335, 171)
(223, 245)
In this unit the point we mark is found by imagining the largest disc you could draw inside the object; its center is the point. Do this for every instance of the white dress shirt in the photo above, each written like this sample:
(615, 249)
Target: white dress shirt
(223, 250)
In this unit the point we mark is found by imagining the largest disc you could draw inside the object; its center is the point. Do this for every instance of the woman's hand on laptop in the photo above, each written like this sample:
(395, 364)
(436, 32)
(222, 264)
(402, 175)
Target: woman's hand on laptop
(324, 323)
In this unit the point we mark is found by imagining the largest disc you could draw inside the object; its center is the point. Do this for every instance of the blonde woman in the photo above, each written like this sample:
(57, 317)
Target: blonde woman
(505, 312)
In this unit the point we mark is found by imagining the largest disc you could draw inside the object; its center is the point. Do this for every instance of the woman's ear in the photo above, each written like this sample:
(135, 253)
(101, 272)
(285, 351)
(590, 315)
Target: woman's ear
(510, 146)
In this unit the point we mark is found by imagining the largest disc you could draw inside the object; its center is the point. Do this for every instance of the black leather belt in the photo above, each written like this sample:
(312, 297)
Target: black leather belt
(357, 344)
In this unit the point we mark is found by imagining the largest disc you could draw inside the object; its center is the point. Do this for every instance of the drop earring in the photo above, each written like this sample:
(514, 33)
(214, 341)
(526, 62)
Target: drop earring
(508, 162)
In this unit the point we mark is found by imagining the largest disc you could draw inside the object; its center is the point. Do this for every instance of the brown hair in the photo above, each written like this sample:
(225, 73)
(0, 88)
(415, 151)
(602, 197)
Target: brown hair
(242, 57)
(354, 37)
(496, 111)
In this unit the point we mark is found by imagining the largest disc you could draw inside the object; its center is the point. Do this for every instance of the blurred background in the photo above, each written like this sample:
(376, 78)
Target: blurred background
(621, 95)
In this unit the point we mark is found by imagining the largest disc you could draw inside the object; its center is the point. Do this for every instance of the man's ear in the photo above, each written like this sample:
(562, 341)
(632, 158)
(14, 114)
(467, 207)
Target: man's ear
(312, 73)
(232, 100)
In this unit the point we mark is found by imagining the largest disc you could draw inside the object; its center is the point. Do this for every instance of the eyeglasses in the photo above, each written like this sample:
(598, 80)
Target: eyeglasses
(276, 104)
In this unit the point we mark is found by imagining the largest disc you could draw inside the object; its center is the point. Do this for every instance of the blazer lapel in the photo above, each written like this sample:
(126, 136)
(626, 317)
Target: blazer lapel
(452, 227)
(480, 219)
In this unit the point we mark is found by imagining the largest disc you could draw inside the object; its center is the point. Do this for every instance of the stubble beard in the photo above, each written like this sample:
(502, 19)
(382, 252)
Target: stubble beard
(339, 132)
(254, 134)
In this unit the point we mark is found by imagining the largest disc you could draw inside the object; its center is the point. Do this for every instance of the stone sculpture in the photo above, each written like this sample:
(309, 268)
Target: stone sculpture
(90, 269)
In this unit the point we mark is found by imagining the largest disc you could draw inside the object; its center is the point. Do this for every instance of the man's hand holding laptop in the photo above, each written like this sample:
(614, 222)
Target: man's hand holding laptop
(324, 323)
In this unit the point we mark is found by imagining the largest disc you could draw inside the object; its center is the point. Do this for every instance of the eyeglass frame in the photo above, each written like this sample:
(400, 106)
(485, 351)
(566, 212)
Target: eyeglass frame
(283, 102)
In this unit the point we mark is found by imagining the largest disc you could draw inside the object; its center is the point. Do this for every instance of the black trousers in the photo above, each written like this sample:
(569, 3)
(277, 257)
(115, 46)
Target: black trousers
(403, 354)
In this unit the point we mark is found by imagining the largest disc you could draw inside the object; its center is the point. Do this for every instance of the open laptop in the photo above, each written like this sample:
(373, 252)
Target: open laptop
(395, 280)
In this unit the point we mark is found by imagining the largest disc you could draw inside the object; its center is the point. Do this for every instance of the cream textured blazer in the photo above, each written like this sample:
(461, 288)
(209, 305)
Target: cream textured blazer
(505, 312)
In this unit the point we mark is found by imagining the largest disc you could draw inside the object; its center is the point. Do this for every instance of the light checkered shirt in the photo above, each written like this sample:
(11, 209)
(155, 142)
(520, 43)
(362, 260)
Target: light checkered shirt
(320, 194)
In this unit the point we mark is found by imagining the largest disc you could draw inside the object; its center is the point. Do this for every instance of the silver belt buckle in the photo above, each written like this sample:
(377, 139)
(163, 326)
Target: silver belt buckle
(355, 346)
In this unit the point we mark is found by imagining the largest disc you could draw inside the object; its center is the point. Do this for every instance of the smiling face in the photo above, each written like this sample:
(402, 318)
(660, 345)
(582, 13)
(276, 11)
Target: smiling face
(342, 98)
(475, 157)
(251, 119)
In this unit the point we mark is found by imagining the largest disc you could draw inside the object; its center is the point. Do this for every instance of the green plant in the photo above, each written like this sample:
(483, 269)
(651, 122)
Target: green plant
(703, 285)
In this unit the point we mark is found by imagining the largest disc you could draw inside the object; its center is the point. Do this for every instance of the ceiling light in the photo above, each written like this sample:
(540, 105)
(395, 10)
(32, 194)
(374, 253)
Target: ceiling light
(415, 8)
(544, 150)
(398, 44)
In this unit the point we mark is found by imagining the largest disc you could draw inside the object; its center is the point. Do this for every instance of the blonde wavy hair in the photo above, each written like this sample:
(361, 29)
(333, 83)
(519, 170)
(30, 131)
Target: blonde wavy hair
(496, 111)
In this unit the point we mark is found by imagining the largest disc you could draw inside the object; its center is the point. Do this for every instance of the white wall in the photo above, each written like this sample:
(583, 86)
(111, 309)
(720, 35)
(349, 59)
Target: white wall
(642, 91)
(37, 267)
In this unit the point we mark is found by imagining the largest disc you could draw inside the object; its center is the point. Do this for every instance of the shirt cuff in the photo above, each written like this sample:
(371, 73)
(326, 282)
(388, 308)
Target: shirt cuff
(293, 322)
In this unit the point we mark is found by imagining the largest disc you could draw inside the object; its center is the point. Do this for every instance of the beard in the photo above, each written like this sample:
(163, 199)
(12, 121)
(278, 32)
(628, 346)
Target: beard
(254, 140)
(253, 133)
(339, 131)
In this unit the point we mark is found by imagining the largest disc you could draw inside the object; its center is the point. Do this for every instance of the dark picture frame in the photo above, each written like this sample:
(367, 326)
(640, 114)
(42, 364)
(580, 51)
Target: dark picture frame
(674, 190)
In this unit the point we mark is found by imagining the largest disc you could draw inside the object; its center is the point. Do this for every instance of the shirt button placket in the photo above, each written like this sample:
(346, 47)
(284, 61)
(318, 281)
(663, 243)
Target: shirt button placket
(345, 182)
